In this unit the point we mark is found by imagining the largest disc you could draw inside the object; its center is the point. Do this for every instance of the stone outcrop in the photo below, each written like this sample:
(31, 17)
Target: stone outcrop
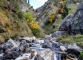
(73, 24)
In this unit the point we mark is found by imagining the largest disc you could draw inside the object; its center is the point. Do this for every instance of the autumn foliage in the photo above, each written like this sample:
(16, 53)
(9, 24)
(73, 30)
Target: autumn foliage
(53, 17)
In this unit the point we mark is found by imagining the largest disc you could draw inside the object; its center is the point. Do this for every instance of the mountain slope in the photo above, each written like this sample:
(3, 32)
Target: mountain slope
(12, 19)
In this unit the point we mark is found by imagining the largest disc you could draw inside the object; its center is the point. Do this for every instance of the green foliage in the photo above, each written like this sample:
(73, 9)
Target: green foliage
(28, 17)
(78, 39)
(65, 12)
(81, 54)
(36, 32)
(20, 14)
(33, 25)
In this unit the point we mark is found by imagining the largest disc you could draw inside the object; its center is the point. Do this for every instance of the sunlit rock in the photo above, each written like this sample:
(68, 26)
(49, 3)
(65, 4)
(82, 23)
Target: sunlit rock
(63, 48)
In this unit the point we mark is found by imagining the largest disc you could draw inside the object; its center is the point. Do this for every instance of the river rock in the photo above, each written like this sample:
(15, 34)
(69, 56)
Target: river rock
(73, 51)
(33, 54)
(74, 46)
(68, 57)
(71, 57)
(11, 54)
(46, 54)
(23, 57)
(47, 44)
(38, 57)
(63, 48)
(59, 33)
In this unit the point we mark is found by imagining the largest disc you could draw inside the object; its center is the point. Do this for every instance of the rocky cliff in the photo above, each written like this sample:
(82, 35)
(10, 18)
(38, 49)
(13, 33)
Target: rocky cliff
(44, 12)
(73, 24)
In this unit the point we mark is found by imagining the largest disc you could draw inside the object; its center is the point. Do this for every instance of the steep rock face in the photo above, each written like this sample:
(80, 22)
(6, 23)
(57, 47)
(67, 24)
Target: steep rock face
(73, 24)
(44, 12)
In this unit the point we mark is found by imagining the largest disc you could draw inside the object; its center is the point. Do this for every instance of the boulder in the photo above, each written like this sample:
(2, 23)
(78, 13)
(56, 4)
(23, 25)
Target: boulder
(11, 54)
(59, 33)
(68, 57)
(46, 54)
(47, 44)
(73, 51)
(13, 43)
(33, 54)
(38, 57)
(63, 48)
(74, 46)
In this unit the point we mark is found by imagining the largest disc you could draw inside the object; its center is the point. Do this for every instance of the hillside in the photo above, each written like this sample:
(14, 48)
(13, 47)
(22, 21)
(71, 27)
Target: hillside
(13, 21)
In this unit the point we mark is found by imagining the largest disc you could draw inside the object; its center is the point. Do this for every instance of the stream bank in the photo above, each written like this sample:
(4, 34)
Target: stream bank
(26, 48)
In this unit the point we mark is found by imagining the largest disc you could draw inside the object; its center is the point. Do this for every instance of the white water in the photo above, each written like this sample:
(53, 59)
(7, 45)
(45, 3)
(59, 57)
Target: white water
(55, 58)
(26, 55)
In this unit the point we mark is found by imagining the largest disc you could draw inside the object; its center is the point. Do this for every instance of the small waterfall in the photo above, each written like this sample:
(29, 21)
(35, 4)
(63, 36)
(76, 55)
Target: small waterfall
(55, 57)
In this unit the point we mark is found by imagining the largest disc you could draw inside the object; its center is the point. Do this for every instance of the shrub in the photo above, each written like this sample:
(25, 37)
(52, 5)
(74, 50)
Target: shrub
(52, 17)
(65, 12)
(20, 14)
(33, 25)
(81, 54)
(28, 17)
(60, 10)
(35, 28)
(36, 32)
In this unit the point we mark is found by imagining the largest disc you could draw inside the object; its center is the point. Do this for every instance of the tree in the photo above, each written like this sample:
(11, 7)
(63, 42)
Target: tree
(28, 1)
(65, 12)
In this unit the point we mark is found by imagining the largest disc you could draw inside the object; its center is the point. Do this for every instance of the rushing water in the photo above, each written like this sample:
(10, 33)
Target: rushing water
(37, 48)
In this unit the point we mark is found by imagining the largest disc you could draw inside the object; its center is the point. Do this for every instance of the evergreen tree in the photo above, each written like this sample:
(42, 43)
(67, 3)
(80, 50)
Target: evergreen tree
(65, 12)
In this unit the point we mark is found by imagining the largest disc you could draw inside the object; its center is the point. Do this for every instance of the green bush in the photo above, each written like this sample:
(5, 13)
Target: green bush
(65, 12)
(20, 14)
(81, 54)
(36, 32)
(28, 17)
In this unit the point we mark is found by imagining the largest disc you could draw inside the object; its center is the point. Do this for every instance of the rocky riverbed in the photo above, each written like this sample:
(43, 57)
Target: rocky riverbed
(26, 48)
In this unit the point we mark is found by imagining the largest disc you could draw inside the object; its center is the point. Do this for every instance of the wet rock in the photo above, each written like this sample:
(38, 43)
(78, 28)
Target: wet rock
(33, 53)
(63, 48)
(10, 54)
(23, 58)
(47, 44)
(27, 48)
(47, 54)
(68, 57)
(38, 57)
(2, 57)
(24, 47)
(71, 57)
(73, 51)
(74, 46)
(48, 37)
(13, 43)
(59, 33)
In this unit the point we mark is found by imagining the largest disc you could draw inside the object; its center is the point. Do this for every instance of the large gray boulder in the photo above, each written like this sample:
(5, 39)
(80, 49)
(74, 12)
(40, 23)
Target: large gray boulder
(47, 44)
(73, 24)
(46, 54)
